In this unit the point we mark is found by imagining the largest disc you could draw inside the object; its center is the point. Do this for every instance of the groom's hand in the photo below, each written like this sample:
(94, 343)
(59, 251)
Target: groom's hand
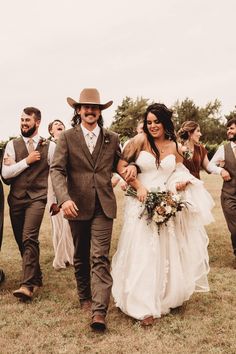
(130, 173)
(70, 209)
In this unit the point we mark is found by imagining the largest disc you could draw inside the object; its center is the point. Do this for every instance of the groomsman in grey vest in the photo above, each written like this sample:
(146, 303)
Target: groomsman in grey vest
(81, 172)
(224, 163)
(25, 167)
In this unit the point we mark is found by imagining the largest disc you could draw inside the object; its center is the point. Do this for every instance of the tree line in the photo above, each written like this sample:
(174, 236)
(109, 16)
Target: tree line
(209, 118)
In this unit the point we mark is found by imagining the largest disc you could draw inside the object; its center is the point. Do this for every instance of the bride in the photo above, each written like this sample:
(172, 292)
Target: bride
(153, 269)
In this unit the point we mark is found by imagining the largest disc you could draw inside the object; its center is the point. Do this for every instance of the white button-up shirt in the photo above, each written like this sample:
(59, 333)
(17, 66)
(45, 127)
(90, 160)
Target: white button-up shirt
(16, 168)
(95, 131)
(219, 157)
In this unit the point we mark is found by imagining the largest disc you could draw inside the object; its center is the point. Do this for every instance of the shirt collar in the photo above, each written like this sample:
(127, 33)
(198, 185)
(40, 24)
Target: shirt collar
(233, 144)
(35, 138)
(95, 131)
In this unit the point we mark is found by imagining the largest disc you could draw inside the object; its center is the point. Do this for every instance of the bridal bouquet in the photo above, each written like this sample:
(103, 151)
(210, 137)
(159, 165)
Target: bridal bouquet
(159, 206)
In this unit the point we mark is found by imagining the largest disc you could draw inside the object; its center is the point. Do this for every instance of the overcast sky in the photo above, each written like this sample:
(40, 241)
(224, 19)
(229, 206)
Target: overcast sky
(162, 50)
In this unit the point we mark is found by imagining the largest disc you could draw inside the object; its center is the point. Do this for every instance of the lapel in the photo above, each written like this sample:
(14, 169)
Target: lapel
(103, 133)
(83, 144)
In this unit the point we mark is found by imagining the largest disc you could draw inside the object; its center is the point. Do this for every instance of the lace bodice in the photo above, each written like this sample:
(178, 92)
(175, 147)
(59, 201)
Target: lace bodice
(151, 176)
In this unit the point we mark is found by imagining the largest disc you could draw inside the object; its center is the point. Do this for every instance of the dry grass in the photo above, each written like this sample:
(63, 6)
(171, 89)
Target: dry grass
(54, 323)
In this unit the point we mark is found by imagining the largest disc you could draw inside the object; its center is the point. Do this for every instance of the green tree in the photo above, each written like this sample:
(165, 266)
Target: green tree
(127, 116)
(208, 117)
(231, 115)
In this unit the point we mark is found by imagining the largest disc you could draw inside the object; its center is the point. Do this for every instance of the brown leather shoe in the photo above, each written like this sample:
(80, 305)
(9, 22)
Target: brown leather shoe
(23, 293)
(148, 321)
(86, 305)
(98, 323)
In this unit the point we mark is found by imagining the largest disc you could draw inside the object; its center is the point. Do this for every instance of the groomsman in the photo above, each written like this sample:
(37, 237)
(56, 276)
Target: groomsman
(25, 167)
(225, 156)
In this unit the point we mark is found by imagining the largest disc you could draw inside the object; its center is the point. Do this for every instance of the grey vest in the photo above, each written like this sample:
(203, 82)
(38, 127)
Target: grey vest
(229, 187)
(33, 181)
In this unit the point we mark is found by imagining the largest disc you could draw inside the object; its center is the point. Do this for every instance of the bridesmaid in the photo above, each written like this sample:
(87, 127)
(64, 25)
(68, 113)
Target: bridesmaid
(195, 154)
(61, 234)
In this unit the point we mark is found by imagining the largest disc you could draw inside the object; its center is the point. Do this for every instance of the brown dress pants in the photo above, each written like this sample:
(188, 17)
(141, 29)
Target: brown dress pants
(26, 218)
(228, 203)
(92, 240)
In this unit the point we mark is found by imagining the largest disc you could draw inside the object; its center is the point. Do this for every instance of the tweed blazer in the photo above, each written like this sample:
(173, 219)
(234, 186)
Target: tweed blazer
(79, 176)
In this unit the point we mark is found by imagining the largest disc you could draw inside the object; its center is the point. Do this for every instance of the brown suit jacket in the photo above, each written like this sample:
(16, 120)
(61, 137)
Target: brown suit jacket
(80, 176)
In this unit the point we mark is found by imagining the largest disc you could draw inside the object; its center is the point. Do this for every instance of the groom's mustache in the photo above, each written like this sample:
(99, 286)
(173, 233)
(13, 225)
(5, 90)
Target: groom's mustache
(90, 114)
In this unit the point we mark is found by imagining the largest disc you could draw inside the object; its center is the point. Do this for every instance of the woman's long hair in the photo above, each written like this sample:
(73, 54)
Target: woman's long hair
(77, 119)
(163, 114)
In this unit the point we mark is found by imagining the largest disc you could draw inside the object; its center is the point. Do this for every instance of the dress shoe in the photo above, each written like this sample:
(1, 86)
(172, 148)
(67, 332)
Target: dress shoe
(148, 321)
(23, 293)
(2, 276)
(86, 305)
(98, 323)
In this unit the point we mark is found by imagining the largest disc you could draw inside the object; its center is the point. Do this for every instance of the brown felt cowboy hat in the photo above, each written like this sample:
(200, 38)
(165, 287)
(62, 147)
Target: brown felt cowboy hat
(89, 96)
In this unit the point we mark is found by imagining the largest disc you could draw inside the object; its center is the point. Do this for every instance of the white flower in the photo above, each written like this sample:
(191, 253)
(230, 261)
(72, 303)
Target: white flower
(158, 218)
(176, 197)
(168, 209)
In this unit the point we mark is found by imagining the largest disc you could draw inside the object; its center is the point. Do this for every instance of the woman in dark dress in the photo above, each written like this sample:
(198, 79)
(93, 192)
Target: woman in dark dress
(195, 154)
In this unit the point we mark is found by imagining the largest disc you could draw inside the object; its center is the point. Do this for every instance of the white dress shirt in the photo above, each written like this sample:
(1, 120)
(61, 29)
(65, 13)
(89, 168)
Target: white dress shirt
(18, 167)
(218, 158)
(95, 131)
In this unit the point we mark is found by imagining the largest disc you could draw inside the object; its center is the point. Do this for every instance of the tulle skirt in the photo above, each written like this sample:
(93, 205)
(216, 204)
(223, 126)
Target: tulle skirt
(154, 269)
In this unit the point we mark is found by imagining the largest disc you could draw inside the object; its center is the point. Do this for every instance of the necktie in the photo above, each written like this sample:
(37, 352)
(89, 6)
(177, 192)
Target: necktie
(90, 141)
(30, 145)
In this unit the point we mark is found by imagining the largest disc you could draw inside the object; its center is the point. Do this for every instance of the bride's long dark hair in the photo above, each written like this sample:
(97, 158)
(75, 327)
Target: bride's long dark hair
(164, 115)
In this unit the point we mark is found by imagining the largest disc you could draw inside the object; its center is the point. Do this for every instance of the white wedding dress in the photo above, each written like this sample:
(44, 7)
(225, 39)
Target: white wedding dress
(61, 235)
(154, 272)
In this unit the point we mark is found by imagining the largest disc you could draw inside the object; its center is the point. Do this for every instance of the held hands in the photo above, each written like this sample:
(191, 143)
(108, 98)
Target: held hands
(225, 175)
(129, 173)
(180, 186)
(70, 209)
(33, 157)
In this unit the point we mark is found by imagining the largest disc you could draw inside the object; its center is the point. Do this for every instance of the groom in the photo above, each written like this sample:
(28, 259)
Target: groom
(81, 173)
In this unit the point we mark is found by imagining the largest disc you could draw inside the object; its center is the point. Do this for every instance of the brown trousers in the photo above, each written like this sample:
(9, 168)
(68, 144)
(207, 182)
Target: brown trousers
(26, 218)
(92, 239)
(228, 203)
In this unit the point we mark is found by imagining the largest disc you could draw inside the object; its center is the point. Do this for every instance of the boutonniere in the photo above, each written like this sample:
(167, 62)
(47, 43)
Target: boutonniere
(187, 154)
(106, 139)
(42, 142)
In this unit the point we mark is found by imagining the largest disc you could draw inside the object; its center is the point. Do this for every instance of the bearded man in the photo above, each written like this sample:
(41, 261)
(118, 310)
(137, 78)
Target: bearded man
(25, 167)
(226, 156)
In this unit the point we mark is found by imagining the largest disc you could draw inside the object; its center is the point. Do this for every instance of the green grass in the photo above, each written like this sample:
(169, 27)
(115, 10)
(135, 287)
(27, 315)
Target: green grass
(54, 323)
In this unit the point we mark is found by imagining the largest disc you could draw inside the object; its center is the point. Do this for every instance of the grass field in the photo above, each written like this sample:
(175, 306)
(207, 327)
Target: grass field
(54, 323)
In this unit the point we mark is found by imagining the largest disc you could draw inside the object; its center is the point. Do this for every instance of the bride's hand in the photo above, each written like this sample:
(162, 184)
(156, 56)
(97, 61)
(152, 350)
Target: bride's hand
(142, 194)
(180, 186)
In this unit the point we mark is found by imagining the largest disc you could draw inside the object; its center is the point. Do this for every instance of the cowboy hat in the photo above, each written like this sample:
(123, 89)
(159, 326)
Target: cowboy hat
(89, 96)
